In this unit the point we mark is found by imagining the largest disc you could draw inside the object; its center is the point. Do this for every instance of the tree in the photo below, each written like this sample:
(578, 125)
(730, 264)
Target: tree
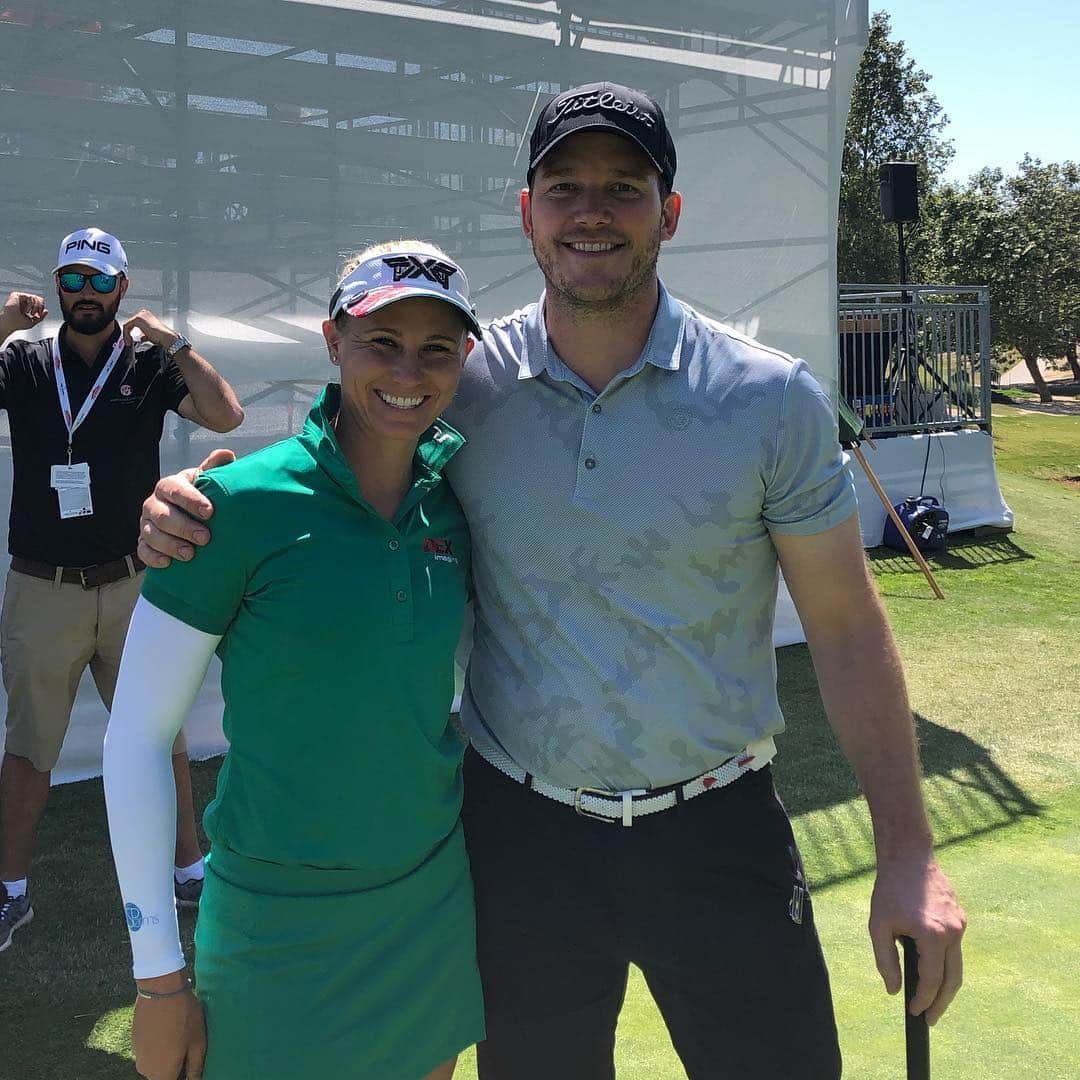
(1070, 356)
(1040, 310)
(1020, 235)
(893, 117)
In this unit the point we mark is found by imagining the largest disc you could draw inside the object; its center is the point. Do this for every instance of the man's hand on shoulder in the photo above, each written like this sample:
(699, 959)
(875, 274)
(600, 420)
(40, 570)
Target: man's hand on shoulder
(913, 898)
(172, 516)
(21, 311)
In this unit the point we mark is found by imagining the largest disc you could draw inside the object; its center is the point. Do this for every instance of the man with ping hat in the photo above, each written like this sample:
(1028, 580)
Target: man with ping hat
(635, 476)
(86, 410)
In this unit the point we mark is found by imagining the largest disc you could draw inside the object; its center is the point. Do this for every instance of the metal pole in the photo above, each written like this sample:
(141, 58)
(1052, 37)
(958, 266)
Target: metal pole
(183, 171)
(835, 160)
(183, 200)
(902, 252)
(983, 297)
(907, 361)
(334, 186)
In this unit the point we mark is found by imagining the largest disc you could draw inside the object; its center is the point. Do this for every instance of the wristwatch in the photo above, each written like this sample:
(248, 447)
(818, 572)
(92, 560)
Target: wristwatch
(181, 342)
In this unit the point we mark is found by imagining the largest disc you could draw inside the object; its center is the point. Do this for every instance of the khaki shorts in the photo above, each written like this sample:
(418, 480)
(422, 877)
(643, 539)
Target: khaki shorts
(48, 634)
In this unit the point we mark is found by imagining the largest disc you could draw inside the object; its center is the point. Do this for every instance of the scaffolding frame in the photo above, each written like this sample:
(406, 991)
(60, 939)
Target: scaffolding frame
(229, 138)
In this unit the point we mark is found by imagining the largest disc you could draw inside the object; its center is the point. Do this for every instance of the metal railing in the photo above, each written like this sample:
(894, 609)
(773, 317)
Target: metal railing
(916, 359)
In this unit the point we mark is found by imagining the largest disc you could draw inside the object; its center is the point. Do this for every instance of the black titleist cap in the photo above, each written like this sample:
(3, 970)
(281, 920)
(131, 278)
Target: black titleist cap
(605, 107)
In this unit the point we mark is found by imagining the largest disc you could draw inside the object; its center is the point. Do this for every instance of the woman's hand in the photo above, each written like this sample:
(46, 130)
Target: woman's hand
(168, 1035)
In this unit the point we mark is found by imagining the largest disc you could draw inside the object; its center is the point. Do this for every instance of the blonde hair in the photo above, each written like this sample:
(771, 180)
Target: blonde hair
(414, 247)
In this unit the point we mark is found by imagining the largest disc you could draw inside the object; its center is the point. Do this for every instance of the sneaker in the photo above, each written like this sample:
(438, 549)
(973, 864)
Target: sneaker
(15, 911)
(188, 893)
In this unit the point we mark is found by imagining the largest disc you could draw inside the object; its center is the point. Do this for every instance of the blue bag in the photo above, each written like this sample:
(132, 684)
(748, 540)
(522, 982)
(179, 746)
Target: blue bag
(925, 518)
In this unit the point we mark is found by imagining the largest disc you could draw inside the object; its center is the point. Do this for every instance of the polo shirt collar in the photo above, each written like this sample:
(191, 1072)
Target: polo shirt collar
(67, 353)
(662, 349)
(436, 446)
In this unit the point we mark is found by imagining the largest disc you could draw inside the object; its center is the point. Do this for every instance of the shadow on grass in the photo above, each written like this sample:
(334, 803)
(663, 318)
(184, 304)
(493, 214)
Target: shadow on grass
(966, 551)
(62, 1050)
(967, 792)
(66, 973)
(65, 983)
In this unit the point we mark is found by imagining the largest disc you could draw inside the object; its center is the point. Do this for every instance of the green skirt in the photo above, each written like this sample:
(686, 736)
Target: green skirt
(305, 977)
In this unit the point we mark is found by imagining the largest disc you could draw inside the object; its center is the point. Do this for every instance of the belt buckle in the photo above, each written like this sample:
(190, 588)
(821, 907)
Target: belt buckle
(82, 577)
(582, 812)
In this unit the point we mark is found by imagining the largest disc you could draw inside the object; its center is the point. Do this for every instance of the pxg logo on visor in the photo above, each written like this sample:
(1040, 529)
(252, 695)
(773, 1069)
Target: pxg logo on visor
(390, 276)
(414, 266)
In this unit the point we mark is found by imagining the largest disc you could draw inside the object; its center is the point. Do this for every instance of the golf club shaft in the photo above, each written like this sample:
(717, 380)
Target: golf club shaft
(916, 1030)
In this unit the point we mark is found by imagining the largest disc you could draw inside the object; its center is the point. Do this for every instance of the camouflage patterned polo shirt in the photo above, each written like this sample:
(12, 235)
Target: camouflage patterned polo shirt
(625, 576)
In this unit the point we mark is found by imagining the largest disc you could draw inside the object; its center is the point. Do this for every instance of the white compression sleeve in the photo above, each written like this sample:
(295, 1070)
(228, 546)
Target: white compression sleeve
(163, 666)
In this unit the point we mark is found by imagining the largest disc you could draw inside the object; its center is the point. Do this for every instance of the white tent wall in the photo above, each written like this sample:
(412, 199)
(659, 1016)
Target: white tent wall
(314, 128)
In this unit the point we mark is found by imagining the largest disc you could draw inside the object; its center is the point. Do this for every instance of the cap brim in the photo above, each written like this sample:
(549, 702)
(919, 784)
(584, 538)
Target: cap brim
(98, 264)
(405, 292)
(592, 123)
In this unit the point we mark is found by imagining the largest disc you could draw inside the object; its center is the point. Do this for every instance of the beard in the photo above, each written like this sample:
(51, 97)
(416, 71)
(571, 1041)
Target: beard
(89, 320)
(609, 298)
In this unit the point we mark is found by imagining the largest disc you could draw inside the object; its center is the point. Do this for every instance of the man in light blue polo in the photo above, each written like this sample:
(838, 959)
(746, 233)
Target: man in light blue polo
(635, 567)
(634, 477)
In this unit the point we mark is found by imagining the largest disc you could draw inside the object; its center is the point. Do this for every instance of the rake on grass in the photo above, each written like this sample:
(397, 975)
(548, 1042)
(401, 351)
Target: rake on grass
(852, 433)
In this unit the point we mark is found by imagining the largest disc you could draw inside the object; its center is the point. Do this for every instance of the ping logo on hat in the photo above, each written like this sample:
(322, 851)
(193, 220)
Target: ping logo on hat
(92, 247)
(86, 244)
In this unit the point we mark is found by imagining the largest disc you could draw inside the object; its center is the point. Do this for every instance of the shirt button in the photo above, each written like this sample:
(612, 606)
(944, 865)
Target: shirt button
(394, 545)
(402, 596)
(597, 408)
(590, 463)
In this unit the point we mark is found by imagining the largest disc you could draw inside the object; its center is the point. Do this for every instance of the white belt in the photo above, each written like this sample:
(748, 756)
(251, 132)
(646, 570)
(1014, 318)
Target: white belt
(612, 806)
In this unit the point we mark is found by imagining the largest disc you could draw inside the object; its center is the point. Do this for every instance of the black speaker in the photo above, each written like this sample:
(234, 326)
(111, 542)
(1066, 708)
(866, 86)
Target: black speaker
(899, 190)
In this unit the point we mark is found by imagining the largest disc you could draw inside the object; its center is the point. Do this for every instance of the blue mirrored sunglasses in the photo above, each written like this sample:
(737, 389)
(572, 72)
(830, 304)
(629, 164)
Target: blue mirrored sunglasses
(72, 281)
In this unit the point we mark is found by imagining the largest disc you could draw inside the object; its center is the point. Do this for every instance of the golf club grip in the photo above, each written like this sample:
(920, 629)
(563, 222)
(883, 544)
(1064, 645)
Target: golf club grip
(916, 1030)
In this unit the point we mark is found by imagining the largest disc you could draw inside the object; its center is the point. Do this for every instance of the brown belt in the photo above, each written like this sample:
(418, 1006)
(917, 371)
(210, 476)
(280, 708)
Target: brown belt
(89, 577)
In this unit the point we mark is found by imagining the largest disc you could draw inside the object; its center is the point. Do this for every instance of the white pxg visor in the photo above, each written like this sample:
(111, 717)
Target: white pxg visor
(387, 278)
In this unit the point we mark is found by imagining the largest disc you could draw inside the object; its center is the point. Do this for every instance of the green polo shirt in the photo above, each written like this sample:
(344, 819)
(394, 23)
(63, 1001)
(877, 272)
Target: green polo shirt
(337, 656)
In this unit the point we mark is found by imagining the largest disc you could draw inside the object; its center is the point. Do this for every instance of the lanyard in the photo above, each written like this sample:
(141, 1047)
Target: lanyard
(70, 423)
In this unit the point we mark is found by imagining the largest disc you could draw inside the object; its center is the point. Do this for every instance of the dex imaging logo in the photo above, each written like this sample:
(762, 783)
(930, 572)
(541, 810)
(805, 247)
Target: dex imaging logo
(414, 266)
(440, 550)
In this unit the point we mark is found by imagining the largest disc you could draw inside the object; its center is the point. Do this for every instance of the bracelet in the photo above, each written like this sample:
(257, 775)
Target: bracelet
(152, 995)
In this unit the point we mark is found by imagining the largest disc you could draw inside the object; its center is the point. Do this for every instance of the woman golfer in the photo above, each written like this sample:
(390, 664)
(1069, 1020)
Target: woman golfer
(336, 935)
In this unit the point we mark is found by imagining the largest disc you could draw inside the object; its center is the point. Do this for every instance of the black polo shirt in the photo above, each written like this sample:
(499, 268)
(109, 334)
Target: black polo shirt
(119, 439)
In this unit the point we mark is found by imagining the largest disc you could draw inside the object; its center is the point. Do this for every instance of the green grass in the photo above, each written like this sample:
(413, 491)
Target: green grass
(993, 672)
(1021, 396)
